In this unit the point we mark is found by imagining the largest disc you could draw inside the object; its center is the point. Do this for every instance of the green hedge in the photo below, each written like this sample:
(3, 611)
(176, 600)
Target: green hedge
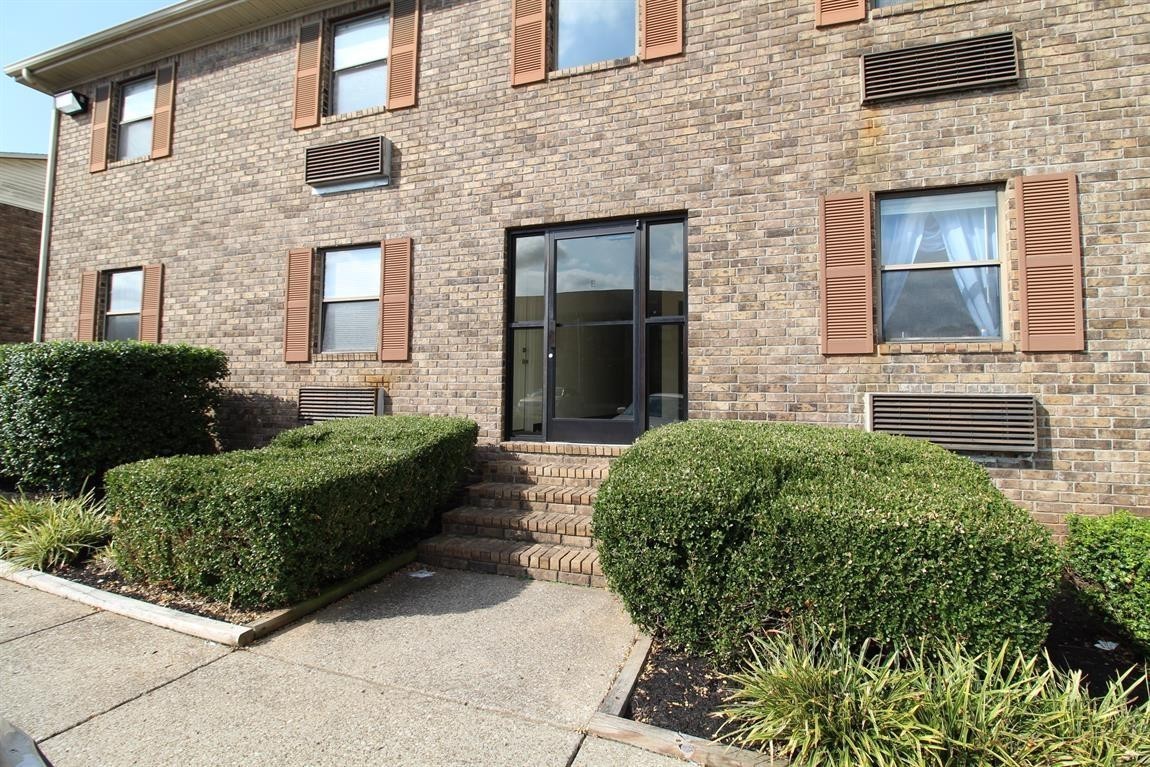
(270, 527)
(1110, 559)
(712, 531)
(70, 411)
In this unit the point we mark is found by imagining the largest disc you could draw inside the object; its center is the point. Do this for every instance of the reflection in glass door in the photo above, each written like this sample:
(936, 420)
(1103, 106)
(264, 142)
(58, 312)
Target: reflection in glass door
(591, 357)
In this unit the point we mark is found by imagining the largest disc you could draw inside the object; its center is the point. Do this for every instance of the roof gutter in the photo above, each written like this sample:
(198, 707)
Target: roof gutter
(46, 217)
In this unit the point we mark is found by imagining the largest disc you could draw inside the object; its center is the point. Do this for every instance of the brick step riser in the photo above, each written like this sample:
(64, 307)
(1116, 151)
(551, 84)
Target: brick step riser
(554, 449)
(539, 459)
(516, 534)
(524, 560)
(521, 504)
(514, 571)
(525, 476)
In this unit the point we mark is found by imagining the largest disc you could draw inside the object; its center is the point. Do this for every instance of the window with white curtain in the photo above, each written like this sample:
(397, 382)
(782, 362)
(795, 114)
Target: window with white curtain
(939, 267)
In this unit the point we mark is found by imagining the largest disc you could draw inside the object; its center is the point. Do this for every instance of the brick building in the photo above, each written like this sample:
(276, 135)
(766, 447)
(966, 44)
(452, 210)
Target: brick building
(573, 228)
(21, 206)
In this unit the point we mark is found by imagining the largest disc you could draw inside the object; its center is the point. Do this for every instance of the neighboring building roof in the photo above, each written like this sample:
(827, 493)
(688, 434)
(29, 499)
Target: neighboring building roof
(22, 179)
(165, 32)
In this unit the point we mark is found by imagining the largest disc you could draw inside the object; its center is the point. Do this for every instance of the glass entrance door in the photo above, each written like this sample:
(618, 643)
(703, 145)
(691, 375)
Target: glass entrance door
(596, 332)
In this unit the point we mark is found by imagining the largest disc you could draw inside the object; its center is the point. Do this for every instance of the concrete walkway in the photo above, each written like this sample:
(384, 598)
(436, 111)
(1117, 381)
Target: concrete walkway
(454, 669)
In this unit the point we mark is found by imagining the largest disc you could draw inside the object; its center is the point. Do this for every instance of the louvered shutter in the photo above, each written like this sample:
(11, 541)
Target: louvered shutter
(151, 300)
(308, 71)
(164, 111)
(1050, 263)
(86, 321)
(101, 111)
(528, 41)
(828, 12)
(297, 306)
(845, 267)
(395, 300)
(403, 59)
(660, 28)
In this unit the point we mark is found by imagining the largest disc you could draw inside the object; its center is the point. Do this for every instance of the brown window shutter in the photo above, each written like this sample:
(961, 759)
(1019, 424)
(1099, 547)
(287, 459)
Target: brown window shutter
(828, 12)
(528, 41)
(297, 306)
(151, 301)
(395, 300)
(845, 267)
(403, 59)
(660, 28)
(1050, 261)
(86, 322)
(164, 111)
(308, 75)
(101, 110)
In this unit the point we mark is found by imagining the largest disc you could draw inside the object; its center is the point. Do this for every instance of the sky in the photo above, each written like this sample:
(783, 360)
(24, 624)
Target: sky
(28, 27)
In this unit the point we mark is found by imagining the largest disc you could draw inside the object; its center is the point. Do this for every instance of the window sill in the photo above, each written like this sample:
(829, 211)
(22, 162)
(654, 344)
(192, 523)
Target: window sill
(948, 347)
(916, 6)
(346, 357)
(598, 66)
(129, 161)
(345, 116)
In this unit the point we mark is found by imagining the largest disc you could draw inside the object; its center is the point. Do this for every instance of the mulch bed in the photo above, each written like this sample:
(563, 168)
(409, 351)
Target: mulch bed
(101, 574)
(681, 692)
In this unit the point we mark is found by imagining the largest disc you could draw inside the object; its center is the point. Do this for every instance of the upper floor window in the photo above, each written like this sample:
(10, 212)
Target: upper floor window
(350, 314)
(939, 266)
(137, 105)
(359, 63)
(590, 31)
(122, 317)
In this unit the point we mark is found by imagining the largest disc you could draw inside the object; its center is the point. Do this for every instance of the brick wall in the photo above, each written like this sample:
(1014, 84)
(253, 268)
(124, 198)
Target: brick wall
(20, 230)
(746, 131)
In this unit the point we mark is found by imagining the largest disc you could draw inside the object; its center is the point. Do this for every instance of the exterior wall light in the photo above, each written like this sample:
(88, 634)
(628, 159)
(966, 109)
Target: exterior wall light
(70, 103)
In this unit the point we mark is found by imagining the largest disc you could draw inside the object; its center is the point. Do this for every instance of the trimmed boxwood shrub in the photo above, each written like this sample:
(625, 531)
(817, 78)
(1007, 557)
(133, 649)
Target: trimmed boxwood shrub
(1110, 560)
(270, 527)
(70, 411)
(713, 531)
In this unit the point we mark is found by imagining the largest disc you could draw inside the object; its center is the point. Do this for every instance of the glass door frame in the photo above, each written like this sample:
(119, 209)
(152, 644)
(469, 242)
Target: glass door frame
(580, 429)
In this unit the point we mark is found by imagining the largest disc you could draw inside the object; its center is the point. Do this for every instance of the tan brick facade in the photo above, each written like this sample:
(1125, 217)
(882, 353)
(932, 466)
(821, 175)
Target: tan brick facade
(20, 229)
(745, 132)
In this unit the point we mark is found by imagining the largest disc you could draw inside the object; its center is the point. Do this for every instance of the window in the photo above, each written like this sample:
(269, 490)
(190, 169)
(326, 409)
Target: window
(350, 315)
(125, 294)
(561, 34)
(359, 63)
(137, 102)
(589, 31)
(940, 274)
(369, 61)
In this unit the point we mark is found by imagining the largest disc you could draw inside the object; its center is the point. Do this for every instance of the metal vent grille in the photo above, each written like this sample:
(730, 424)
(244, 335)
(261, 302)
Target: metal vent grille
(326, 404)
(348, 161)
(956, 65)
(980, 423)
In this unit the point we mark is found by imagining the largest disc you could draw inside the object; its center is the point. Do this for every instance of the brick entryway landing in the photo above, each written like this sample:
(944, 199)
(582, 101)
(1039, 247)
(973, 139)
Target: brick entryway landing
(529, 515)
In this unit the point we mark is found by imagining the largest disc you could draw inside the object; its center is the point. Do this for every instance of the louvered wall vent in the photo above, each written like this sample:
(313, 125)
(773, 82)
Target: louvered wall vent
(956, 65)
(979, 423)
(326, 404)
(363, 160)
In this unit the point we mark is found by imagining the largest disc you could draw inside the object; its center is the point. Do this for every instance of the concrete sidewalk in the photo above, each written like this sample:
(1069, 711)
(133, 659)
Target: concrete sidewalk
(455, 669)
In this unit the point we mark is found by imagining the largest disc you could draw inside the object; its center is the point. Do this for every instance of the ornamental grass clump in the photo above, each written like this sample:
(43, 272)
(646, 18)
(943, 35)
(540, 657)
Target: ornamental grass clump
(814, 698)
(713, 532)
(45, 533)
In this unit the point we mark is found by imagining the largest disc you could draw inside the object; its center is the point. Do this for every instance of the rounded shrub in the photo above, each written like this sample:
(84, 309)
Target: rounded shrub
(69, 411)
(1109, 558)
(713, 531)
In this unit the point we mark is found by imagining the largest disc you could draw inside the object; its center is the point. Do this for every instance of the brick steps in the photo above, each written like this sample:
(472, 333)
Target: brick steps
(540, 561)
(528, 515)
(520, 525)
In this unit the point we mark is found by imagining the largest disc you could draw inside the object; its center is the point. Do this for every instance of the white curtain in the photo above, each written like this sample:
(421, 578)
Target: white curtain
(901, 238)
(965, 237)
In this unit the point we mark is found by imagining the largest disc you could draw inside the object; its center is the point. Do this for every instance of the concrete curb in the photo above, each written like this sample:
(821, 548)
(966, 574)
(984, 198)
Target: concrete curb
(609, 724)
(221, 632)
